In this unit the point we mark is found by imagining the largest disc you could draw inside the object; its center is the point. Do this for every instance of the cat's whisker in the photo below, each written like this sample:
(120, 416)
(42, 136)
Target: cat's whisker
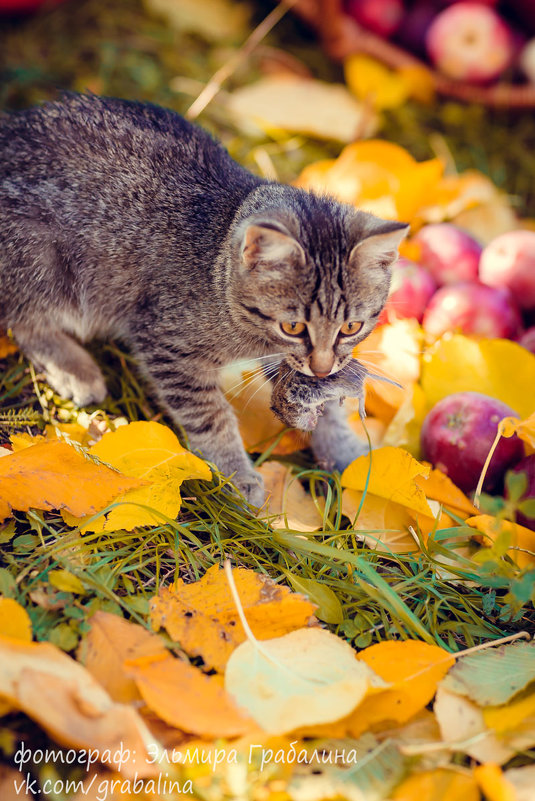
(257, 390)
(270, 370)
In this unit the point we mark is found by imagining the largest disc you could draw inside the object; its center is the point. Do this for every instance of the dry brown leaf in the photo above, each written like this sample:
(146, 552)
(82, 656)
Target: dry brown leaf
(52, 475)
(111, 641)
(202, 616)
(186, 698)
(65, 700)
(287, 498)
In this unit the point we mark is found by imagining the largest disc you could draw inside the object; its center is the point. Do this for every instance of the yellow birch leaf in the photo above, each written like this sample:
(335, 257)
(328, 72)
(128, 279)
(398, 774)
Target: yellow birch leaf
(287, 498)
(66, 581)
(202, 615)
(66, 701)
(412, 668)
(493, 783)
(306, 677)
(521, 537)
(186, 698)
(371, 81)
(392, 477)
(149, 452)
(404, 428)
(7, 347)
(439, 784)
(14, 620)
(21, 441)
(419, 81)
(52, 475)
(382, 525)
(496, 367)
(508, 717)
(525, 429)
(439, 487)
(522, 780)
(111, 641)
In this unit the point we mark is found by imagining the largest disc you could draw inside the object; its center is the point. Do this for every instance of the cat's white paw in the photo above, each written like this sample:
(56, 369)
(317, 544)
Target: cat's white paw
(83, 389)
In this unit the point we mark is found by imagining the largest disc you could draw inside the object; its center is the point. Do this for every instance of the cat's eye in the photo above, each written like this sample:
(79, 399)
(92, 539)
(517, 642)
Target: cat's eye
(348, 329)
(293, 329)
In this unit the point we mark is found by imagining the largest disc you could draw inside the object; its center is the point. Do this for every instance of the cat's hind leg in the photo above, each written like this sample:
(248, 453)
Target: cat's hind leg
(68, 367)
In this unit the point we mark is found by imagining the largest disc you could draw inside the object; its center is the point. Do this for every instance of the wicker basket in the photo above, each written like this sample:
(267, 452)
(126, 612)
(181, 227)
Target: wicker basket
(341, 36)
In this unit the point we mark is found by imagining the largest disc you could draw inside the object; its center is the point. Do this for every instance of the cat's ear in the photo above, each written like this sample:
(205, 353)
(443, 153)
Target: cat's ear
(267, 246)
(380, 245)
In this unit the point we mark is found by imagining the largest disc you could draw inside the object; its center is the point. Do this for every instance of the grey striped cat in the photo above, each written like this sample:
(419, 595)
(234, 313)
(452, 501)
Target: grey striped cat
(121, 219)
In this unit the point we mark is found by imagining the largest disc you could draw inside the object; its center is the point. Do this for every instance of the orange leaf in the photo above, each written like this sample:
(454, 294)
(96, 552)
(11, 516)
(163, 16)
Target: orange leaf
(493, 783)
(14, 620)
(185, 697)
(202, 616)
(287, 498)
(525, 429)
(52, 475)
(414, 668)
(111, 641)
(439, 487)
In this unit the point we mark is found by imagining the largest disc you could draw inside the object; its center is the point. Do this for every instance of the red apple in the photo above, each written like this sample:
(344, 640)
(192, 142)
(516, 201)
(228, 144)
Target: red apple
(449, 253)
(509, 261)
(472, 309)
(470, 42)
(13, 7)
(379, 16)
(526, 466)
(411, 290)
(527, 340)
(524, 13)
(458, 433)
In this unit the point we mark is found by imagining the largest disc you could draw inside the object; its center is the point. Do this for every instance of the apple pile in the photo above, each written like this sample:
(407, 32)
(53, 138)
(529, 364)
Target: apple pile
(461, 287)
(475, 41)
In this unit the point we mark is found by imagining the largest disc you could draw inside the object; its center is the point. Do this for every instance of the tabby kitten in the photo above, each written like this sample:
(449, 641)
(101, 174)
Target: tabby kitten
(122, 219)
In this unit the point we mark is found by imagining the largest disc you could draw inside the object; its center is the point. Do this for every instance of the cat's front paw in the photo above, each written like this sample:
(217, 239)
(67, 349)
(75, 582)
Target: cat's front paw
(84, 389)
(251, 486)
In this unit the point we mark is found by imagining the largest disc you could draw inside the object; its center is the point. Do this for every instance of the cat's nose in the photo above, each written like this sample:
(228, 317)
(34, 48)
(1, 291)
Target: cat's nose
(321, 363)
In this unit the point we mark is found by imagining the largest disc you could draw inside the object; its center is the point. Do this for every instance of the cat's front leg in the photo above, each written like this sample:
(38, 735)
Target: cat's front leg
(196, 402)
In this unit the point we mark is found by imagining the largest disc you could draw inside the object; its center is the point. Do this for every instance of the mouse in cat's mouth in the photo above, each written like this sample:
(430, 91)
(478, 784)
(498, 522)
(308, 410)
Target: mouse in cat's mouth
(299, 400)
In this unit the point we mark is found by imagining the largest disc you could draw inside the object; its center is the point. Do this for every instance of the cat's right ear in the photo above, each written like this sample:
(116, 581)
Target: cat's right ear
(266, 246)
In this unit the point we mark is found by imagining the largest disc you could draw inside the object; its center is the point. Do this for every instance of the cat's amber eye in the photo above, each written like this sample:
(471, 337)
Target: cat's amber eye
(348, 329)
(293, 329)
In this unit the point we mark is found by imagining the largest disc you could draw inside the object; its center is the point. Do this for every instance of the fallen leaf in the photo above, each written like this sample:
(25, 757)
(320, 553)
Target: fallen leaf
(65, 581)
(7, 347)
(523, 782)
(493, 783)
(441, 784)
(371, 81)
(202, 616)
(462, 726)
(494, 675)
(214, 20)
(14, 621)
(306, 677)
(525, 429)
(66, 701)
(439, 487)
(109, 643)
(329, 609)
(52, 475)
(403, 430)
(294, 104)
(185, 697)
(413, 670)
(508, 717)
(151, 453)
(287, 498)
(496, 367)
(522, 547)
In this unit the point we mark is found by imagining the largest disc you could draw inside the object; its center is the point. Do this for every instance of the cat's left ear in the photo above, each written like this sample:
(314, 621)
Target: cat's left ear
(380, 245)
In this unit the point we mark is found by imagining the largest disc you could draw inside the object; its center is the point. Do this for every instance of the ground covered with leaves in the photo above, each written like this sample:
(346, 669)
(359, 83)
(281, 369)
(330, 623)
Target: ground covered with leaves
(120, 631)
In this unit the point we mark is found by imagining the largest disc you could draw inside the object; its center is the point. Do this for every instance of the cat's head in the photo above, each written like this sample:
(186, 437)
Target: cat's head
(311, 275)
